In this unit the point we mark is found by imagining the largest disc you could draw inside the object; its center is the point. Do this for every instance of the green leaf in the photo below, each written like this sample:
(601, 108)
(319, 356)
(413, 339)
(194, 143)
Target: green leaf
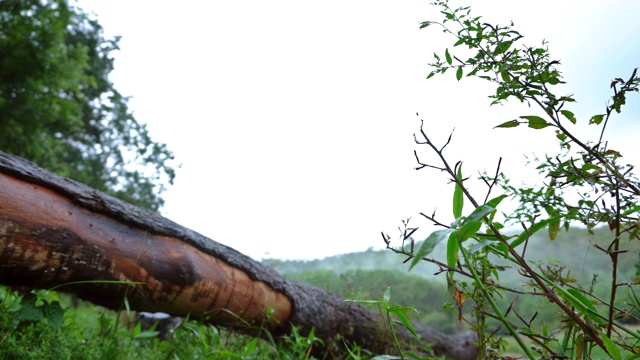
(554, 227)
(631, 210)
(567, 98)
(611, 347)
(503, 47)
(424, 24)
(447, 57)
(453, 246)
(508, 124)
(479, 246)
(505, 76)
(532, 230)
(429, 244)
(448, 15)
(596, 119)
(407, 353)
(581, 303)
(471, 224)
(536, 122)
(458, 196)
(569, 115)
(30, 312)
(479, 213)
(459, 73)
(583, 299)
(496, 201)
(538, 51)
(561, 136)
(54, 314)
(251, 347)
(400, 312)
(467, 230)
(633, 356)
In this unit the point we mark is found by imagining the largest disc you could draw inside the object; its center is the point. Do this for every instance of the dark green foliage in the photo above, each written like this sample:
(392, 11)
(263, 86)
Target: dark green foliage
(59, 109)
(426, 296)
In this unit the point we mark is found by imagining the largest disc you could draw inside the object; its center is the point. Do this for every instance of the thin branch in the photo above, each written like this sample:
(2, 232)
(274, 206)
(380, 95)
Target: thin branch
(493, 183)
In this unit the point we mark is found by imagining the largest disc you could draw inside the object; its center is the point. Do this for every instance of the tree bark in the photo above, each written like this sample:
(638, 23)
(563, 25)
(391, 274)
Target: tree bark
(58, 233)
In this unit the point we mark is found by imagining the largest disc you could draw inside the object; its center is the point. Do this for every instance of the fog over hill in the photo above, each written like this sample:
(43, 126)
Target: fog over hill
(575, 250)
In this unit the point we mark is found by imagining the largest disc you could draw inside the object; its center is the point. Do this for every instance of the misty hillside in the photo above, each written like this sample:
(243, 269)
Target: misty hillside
(575, 250)
(367, 274)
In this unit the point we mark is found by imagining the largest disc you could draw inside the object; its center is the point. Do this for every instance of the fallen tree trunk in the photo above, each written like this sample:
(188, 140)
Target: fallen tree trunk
(55, 232)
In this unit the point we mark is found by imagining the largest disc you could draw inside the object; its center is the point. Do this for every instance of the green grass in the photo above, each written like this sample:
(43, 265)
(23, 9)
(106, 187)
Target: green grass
(36, 327)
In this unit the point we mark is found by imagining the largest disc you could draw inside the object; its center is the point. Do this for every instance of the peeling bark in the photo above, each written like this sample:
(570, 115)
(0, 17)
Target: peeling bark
(55, 232)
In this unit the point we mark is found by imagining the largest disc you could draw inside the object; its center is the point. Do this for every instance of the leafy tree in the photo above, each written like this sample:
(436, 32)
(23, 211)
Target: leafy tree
(585, 183)
(59, 109)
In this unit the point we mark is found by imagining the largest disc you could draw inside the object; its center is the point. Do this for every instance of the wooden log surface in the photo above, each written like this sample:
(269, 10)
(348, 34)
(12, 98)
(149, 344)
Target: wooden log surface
(55, 232)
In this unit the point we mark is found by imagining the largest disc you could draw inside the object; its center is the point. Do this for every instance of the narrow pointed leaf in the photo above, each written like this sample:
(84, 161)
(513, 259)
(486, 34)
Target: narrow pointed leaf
(496, 201)
(458, 196)
(554, 227)
(429, 244)
(447, 57)
(581, 303)
(583, 299)
(611, 347)
(479, 213)
(453, 247)
(400, 313)
(532, 230)
(508, 124)
(631, 210)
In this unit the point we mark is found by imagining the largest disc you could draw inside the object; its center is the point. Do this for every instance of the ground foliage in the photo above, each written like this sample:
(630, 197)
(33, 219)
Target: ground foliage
(49, 325)
(59, 109)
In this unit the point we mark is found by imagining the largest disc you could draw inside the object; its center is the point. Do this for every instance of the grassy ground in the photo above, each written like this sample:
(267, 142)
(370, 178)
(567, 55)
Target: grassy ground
(47, 326)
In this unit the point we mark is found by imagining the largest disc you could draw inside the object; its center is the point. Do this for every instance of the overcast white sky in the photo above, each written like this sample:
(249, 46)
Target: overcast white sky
(293, 120)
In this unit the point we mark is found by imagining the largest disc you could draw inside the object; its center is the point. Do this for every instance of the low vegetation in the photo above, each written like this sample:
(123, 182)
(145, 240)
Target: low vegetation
(49, 325)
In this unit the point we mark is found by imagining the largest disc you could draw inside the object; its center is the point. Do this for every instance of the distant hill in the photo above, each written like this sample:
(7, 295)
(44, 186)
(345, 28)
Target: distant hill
(364, 260)
(366, 275)
(573, 249)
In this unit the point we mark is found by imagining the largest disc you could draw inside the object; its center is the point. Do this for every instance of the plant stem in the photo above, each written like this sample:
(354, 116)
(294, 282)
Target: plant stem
(494, 306)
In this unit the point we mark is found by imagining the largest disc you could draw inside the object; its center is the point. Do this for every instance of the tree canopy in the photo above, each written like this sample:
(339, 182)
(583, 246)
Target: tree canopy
(59, 109)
